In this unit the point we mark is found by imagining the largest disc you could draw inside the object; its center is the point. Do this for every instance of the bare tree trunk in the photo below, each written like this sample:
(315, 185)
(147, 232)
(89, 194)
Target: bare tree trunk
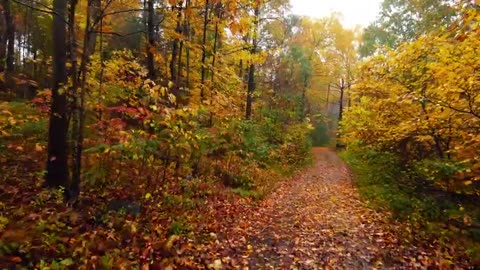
(57, 165)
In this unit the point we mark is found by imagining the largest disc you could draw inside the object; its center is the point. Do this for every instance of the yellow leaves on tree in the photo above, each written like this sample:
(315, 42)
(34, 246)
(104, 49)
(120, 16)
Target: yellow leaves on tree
(423, 100)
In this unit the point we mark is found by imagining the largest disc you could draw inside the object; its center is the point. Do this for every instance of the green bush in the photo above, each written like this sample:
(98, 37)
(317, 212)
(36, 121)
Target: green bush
(439, 172)
(384, 183)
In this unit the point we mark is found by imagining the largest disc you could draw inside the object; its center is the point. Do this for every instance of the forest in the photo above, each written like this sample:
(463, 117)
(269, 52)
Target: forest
(235, 134)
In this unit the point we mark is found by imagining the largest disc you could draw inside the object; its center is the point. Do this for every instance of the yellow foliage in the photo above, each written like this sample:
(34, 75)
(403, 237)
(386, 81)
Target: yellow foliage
(422, 100)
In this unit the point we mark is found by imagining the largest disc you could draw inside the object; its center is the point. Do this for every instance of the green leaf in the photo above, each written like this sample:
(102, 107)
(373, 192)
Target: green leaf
(66, 262)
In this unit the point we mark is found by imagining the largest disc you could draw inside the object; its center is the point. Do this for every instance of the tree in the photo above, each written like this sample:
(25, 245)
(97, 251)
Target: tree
(422, 101)
(404, 20)
(151, 40)
(57, 165)
(7, 47)
(251, 86)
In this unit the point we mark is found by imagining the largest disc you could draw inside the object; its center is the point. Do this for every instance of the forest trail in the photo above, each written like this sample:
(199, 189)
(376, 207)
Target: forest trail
(315, 221)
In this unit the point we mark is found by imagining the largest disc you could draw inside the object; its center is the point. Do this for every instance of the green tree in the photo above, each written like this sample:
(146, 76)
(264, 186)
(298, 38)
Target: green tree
(404, 20)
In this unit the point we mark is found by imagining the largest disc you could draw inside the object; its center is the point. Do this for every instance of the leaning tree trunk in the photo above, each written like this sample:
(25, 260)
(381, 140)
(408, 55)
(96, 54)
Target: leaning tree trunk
(57, 165)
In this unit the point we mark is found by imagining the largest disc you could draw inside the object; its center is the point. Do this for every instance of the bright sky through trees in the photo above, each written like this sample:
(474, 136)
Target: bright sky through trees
(354, 11)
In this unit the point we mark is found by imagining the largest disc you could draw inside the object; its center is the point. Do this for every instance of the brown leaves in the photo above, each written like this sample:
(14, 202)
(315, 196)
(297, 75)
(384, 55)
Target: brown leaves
(316, 220)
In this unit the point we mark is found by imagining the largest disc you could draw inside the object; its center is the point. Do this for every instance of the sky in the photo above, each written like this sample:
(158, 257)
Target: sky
(355, 12)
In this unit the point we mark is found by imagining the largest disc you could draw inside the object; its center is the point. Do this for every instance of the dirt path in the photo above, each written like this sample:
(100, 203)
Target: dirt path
(314, 222)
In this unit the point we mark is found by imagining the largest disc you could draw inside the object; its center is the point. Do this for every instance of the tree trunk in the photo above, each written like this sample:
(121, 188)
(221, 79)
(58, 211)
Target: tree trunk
(89, 42)
(204, 49)
(10, 41)
(175, 49)
(215, 46)
(250, 89)
(151, 41)
(342, 93)
(3, 39)
(72, 114)
(328, 99)
(179, 65)
(251, 73)
(57, 165)
(187, 49)
(240, 71)
(304, 98)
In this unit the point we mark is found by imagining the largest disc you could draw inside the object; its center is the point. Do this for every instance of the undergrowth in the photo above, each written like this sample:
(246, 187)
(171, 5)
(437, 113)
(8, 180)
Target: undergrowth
(138, 190)
(432, 215)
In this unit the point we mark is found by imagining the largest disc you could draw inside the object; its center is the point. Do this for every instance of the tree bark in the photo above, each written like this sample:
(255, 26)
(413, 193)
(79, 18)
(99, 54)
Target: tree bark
(57, 165)
(179, 65)
(10, 43)
(72, 114)
(187, 49)
(251, 87)
(151, 41)
(204, 49)
(342, 94)
(89, 43)
(175, 49)
(3, 38)
(328, 99)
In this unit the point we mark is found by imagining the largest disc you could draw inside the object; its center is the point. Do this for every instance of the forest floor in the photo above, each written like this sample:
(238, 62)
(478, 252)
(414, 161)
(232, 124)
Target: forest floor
(317, 221)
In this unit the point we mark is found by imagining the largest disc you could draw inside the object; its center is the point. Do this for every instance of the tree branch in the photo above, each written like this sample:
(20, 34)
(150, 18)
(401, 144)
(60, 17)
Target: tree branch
(49, 11)
(118, 34)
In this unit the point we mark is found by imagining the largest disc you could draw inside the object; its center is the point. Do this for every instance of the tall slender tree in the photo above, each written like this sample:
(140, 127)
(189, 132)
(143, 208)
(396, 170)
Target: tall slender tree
(204, 48)
(151, 40)
(57, 164)
(251, 86)
(9, 39)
